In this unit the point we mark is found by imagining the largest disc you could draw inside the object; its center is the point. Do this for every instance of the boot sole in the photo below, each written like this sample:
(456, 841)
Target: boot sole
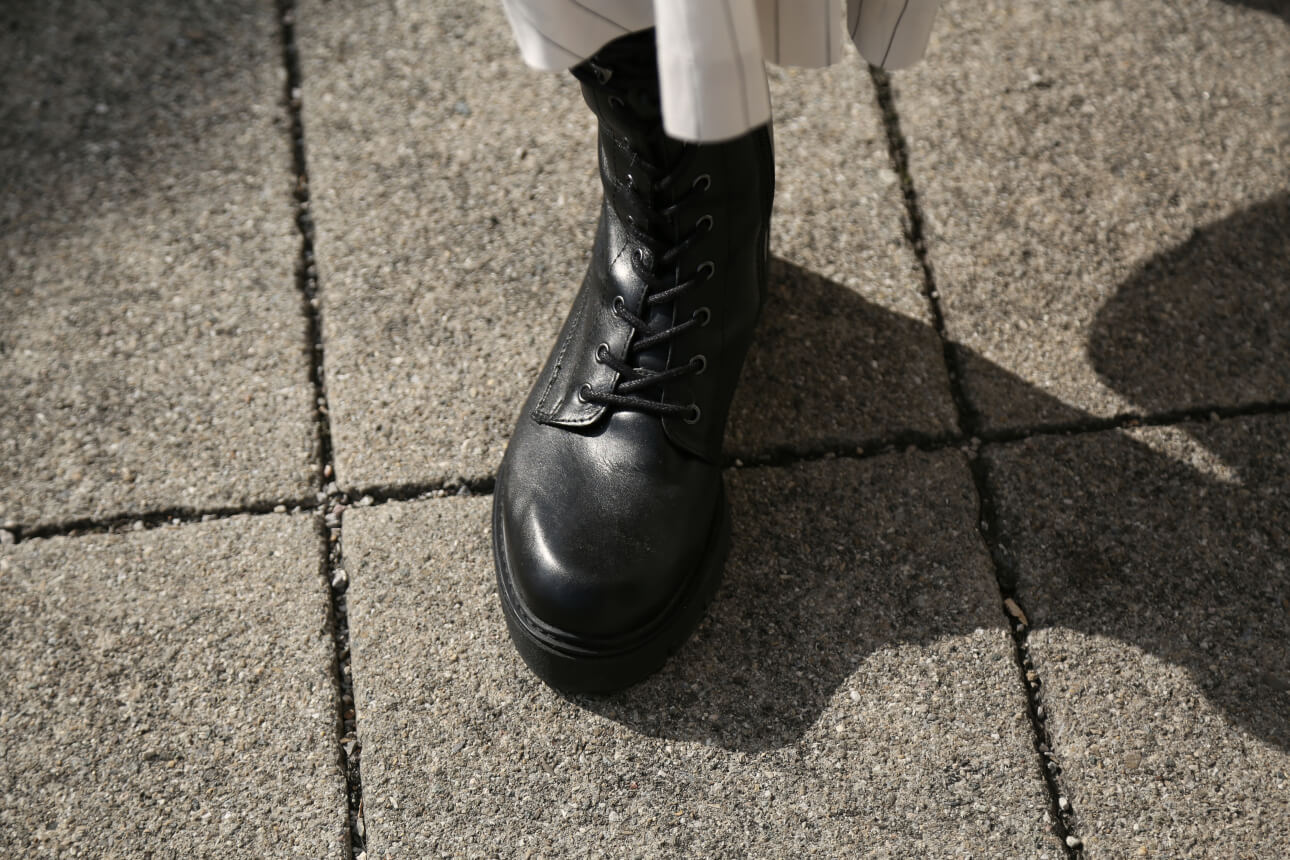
(573, 663)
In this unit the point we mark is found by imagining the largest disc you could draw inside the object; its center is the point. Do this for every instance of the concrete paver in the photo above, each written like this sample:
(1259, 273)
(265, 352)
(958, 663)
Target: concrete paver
(852, 692)
(1153, 567)
(455, 193)
(152, 350)
(169, 693)
(1104, 191)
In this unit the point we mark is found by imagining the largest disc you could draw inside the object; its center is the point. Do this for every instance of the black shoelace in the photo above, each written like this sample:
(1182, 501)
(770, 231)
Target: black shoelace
(647, 221)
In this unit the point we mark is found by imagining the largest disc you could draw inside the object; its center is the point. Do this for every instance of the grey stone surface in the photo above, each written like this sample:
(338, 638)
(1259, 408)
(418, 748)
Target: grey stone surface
(455, 193)
(169, 693)
(1104, 191)
(1153, 565)
(852, 693)
(152, 342)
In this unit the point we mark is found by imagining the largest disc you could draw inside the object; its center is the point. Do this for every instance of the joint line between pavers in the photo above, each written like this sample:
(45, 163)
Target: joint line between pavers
(330, 496)
(1060, 806)
(987, 526)
(335, 501)
(143, 520)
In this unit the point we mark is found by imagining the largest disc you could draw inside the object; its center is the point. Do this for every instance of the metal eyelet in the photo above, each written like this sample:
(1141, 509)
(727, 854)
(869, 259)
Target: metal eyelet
(703, 315)
(710, 266)
(620, 305)
(583, 391)
(695, 414)
(602, 73)
(615, 102)
(706, 219)
(700, 363)
(602, 352)
(703, 179)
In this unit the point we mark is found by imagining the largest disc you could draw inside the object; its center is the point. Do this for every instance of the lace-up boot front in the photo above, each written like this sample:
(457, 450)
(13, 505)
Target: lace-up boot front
(610, 525)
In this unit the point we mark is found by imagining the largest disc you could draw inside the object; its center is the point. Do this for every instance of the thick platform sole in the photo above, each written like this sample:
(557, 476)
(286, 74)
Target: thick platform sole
(577, 664)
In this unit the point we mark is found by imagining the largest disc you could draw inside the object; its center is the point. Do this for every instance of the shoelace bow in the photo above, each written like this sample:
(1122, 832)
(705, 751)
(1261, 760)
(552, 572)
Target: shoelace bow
(647, 222)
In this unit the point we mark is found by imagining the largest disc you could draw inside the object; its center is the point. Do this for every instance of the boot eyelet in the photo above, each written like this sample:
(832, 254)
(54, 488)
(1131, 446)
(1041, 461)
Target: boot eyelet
(615, 102)
(702, 179)
(705, 221)
(602, 352)
(695, 414)
(710, 266)
(602, 74)
(620, 305)
(703, 315)
(700, 364)
(583, 391)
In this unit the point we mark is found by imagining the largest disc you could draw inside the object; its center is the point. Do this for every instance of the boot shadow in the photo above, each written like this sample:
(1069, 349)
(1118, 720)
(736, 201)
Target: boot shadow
(828, 370)
(800, 610)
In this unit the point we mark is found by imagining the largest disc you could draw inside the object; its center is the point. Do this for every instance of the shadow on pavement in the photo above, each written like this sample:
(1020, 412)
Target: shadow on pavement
(103, 104)
(1108, 535)
(1272, 7)
(1207, 322)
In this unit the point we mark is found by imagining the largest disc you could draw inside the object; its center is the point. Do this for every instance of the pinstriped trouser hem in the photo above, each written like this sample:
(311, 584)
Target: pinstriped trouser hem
(712, 52)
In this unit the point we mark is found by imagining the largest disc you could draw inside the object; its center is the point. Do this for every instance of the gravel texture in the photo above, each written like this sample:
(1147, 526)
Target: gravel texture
(1104, 191)
(1153, 565)
(853, 691)
(152, 343)
(455, 193)
(168, 693)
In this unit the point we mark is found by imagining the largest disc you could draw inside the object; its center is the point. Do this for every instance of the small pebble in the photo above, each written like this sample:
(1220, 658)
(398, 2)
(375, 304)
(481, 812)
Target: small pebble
(339, 578)
(279, 509)
(1073, 842)
(1015, 611)
(1132, 760)
(1063, 804)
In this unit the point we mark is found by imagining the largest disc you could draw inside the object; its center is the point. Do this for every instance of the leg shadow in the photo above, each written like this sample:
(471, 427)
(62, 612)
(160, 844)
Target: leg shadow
(1116, 535)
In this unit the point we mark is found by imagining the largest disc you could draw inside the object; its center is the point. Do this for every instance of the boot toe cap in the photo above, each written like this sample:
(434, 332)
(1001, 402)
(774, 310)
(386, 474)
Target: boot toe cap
(594, 576)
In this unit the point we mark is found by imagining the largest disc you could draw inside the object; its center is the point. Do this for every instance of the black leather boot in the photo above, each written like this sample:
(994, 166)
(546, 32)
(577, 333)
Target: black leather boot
(610, 524)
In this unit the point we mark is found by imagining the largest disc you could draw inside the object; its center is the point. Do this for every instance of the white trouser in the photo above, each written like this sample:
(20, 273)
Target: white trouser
(711, 52)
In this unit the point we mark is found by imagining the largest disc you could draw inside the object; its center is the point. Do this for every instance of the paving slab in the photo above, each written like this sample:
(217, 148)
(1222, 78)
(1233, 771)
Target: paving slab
(455, 193)
(1153, 566)
(851, 693)
(169, 693)
(152, 341)
(1104, 185)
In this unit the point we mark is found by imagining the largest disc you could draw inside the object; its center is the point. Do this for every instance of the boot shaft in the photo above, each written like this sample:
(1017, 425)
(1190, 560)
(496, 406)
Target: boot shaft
(678, 271)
